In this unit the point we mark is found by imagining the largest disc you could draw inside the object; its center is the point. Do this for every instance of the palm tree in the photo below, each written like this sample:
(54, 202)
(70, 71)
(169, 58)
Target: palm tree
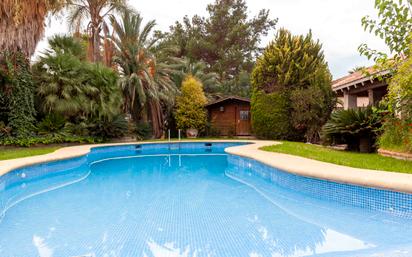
(22, 23)
(73, 88)
(94, 12)
(146, 83)
(184, 67)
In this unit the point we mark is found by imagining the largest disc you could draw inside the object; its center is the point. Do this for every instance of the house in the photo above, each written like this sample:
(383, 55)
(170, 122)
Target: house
(230, 116)
(359, 89)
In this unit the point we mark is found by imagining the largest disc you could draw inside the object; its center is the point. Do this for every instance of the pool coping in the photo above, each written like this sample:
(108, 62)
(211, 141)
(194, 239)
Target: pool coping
(301, 166)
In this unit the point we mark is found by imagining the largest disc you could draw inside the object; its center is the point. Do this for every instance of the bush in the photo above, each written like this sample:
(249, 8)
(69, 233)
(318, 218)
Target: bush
(359, 128)
(400, 90)
(115, 127)
(397, 135)
(270, 117)
(292, 97)
(143, 131)
(212, 131)
(190, 112)
(51, 124)
(46, 140)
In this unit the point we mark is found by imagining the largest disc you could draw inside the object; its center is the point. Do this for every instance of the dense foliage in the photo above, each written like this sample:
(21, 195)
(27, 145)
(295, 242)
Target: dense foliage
(270, 117)
(227, 40)
(74, 88)
(398, 127)
(359, 128)
(394, 25)
(146, 82)
(183, 67)
(17, 113)
(76, 101)
(292, 97)
(397, 135)
(400, 90)
(190, 112)
(92, 16)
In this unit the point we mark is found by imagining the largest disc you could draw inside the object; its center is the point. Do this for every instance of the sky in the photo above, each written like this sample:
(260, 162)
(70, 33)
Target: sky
(336, 23)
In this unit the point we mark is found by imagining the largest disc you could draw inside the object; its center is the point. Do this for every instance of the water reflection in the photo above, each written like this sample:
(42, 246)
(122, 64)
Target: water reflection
(171, 205)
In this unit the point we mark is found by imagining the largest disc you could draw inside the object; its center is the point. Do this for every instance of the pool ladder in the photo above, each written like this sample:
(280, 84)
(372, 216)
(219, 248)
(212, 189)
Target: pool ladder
(170, 142)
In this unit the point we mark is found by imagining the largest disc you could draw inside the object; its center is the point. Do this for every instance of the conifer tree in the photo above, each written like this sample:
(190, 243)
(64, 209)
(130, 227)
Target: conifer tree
(293, 73)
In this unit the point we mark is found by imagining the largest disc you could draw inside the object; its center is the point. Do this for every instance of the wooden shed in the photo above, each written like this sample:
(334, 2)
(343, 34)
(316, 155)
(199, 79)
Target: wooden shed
(230, 116)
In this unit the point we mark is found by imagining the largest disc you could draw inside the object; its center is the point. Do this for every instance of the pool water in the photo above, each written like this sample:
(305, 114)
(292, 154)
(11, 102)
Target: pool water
(191, 202)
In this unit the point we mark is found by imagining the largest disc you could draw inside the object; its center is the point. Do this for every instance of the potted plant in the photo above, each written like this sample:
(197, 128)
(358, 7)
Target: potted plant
(190, 113)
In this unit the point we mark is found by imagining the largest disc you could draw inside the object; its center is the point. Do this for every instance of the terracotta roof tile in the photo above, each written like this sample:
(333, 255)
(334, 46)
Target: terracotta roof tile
(348, 79)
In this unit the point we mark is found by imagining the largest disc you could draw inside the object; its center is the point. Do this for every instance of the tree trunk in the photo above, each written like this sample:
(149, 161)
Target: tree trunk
(22, 25)
(157, 118)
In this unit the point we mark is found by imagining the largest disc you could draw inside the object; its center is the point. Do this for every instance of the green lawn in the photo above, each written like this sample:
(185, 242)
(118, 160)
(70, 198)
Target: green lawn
(358, 160)
(13, 153)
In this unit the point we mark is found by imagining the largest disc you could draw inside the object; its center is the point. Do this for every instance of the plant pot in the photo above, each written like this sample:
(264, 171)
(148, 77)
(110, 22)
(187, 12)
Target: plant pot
(365, 145)
(192, 133)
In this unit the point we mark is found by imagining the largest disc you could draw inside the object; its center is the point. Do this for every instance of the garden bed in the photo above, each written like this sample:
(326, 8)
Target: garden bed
(397, 155)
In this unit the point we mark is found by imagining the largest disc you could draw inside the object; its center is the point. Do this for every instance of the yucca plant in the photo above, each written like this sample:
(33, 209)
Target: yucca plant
(52, 124)
(113, 127)
(358, 128)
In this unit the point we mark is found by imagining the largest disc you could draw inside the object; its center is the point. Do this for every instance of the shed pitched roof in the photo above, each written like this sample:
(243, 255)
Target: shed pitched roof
(221, 100)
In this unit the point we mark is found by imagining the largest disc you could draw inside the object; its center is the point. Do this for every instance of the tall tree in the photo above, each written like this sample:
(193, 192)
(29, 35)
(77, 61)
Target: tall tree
(146, 83)
(394, 26)
(183, 68)
(93, 13)
(292, 97)
(227, 40)
(22, 23)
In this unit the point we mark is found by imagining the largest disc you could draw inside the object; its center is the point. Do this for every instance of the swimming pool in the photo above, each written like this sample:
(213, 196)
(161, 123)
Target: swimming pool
(192, 199)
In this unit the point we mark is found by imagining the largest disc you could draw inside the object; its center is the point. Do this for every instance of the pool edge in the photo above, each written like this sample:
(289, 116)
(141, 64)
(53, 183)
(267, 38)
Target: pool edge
(393, 181)
(301, 166)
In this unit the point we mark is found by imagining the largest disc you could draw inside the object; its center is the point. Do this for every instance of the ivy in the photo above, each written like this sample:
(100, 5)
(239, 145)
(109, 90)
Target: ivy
(17, 94)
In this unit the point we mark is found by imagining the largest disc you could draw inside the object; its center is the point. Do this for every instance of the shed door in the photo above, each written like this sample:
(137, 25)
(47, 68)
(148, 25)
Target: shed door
(243, 121)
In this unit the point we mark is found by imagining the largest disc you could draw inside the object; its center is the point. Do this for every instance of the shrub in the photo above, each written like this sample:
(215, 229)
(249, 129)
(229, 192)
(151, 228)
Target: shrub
(400, 90)
(114, 127)
(212, 131)
(143, 131)
(397, 135)
(292, 79)
(51, 124)
(190, 112)
(45, 140)
(359, 128)
(270, 117)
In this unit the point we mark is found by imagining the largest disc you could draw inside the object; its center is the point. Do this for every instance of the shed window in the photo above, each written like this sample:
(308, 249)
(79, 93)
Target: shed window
(244, 115)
